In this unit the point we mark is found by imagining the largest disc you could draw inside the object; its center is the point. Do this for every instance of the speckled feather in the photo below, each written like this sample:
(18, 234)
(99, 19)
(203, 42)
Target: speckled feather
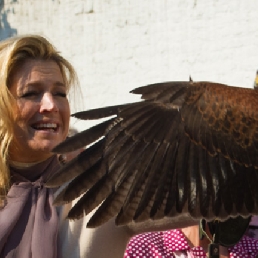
(188, 147)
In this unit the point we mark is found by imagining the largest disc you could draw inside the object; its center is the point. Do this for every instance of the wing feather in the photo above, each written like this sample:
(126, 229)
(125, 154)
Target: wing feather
(187, 148)
(78, 165)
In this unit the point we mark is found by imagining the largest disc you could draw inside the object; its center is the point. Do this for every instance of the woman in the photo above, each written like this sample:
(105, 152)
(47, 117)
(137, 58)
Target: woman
(35, 112)
(35, 115)
(34, 82)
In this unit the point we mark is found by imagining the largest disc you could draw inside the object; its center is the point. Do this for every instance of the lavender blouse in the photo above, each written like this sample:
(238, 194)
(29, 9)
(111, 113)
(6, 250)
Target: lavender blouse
(29, 221)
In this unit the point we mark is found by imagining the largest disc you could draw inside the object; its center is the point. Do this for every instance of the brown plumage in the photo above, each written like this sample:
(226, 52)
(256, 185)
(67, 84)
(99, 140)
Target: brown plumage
(189, 147)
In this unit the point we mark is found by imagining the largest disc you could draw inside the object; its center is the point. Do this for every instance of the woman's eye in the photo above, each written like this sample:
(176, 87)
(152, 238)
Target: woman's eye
(61, 94)
(29, 94)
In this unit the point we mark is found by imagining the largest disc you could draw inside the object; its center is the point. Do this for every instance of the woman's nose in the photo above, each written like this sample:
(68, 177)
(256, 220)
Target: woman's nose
(48, 103)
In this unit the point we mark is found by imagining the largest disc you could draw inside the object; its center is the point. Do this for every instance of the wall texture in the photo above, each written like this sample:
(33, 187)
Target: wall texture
(117, 45)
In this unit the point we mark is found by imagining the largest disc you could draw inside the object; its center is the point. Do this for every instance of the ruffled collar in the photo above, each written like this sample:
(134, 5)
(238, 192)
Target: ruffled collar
(33, 171)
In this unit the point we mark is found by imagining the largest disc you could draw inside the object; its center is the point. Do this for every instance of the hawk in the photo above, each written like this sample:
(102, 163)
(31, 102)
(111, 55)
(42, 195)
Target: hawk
(186, 148)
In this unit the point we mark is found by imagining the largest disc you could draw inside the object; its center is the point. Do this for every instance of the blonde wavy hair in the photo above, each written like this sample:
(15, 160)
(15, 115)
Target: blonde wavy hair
(13, 52)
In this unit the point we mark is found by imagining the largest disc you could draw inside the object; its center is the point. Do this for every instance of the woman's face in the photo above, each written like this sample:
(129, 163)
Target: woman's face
(42, 112)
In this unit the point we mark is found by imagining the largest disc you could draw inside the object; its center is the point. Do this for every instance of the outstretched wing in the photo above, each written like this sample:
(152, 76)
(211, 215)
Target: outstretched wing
(189, 147)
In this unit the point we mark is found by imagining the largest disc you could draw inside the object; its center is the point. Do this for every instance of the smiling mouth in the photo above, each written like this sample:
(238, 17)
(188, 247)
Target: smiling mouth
(53, 127)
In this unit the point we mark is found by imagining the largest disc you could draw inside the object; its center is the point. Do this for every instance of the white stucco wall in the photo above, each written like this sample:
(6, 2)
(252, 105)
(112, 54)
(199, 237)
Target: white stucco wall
(117, 45)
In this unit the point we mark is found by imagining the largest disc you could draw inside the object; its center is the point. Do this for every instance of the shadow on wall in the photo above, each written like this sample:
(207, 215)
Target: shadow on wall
(6, 30)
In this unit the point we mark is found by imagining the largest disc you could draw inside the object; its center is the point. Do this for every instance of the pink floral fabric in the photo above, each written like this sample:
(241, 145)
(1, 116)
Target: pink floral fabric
(165, 244)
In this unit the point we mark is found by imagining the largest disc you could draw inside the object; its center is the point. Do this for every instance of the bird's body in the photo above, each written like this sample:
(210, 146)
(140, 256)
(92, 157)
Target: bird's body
(188, 148)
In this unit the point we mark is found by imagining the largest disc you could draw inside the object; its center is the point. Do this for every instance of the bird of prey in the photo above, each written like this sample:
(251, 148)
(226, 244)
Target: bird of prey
(186, 148)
